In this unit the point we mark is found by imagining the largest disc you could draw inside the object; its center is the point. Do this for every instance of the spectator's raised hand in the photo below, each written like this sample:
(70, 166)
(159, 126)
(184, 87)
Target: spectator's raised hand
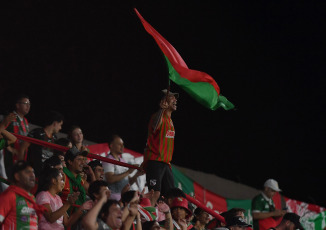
(163, 207)
(8, 119)
(87, 205)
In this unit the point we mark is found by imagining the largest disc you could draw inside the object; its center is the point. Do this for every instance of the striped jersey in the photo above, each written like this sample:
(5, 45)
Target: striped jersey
(160, 144)
(16, 212)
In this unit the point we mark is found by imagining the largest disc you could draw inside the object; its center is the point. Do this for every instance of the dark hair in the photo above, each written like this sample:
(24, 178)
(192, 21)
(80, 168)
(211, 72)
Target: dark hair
(19, 166)
(233, 212)
(63, 142)
(105, 210)
(93, 164)
(174, 192)
(69, 134)
(147, 225)
(51, 162)
(51, 116)
(113, 137)
(45, 180)
(19, 97)
(126, 197)
(94, 188)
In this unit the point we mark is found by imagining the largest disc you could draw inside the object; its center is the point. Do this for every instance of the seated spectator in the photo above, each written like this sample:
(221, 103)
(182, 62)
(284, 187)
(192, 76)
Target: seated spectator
(50, 184)
(201, 219)
(290, 221)
(236, 223)
(217, 224)
(117, 176)
(173, 193)
(53, 162)
(38, 154)
(180, 214)
(63, 142)
(97, 169)
(17, 197)
(73, 180)
(107, 214)
(76, 137)
(128, 198)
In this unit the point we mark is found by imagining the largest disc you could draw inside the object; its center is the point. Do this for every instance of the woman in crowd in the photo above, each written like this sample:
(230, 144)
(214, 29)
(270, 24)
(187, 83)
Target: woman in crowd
(76, 136)
(50, 184)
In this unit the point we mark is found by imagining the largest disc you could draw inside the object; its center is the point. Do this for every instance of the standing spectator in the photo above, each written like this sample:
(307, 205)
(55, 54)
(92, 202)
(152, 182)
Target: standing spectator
(159, 147)
(290, 221)
(263, 207)
(20, 126)
(38, 154)
(73, 180)
(18, 209)
(117, 176)
(51, 183)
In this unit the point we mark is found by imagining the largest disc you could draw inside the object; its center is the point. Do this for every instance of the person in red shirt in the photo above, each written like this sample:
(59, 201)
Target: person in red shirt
(18, 209)
(159, 148)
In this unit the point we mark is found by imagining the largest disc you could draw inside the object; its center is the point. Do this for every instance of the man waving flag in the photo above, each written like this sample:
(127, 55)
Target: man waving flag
(199, 85)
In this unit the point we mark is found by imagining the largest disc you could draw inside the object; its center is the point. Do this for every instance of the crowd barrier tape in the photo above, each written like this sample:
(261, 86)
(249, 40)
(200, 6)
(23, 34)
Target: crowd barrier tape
(94, 156)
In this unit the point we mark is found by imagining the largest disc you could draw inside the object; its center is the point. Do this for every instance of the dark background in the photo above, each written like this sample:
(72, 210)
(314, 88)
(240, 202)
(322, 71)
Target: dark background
(94, 62)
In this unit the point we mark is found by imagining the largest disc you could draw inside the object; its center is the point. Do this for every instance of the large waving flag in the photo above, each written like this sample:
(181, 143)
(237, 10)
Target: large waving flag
(199, 85)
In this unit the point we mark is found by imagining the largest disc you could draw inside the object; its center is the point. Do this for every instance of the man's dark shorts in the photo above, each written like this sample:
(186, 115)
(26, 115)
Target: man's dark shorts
(159, 177)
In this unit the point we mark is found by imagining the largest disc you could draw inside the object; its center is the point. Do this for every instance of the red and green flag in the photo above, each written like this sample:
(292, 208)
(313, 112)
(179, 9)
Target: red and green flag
(199, 85)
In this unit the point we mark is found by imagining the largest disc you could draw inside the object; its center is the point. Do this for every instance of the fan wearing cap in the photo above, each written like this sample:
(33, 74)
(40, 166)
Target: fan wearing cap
(73, 181)
(159, 147)
(263, 207)
(236, 223)
(17, 205)
(290, 221)
(180, 214)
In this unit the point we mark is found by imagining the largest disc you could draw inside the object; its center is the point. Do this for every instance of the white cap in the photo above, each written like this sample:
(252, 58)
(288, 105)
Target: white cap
(271, 183)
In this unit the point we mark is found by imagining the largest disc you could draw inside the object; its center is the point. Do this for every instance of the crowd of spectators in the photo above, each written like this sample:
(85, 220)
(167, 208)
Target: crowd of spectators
(51, 189)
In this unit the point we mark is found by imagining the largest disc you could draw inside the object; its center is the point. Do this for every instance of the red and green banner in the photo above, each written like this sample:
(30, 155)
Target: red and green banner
(313, 217)
(199, 85)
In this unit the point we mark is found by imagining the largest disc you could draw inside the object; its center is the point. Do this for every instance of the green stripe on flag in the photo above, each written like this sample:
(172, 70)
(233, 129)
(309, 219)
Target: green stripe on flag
(183, 182)
(203, 92)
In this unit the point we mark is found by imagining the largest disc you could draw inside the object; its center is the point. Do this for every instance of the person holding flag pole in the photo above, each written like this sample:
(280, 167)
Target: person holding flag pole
(159, 147)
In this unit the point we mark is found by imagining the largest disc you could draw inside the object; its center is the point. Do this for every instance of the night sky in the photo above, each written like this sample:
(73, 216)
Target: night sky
(94, 62)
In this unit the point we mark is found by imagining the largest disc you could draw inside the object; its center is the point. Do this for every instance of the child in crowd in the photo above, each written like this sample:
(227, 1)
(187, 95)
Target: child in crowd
(50, 184)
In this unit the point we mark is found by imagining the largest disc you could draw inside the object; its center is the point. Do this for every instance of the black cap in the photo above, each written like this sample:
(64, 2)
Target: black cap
(72, 153)
(236, 221)
(294, 218)
(19, 166)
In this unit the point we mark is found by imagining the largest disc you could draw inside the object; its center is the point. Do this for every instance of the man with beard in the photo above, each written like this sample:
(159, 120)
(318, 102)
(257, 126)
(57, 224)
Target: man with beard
(52, 124)
(73, 181)
(159, 147)
(18, 209)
